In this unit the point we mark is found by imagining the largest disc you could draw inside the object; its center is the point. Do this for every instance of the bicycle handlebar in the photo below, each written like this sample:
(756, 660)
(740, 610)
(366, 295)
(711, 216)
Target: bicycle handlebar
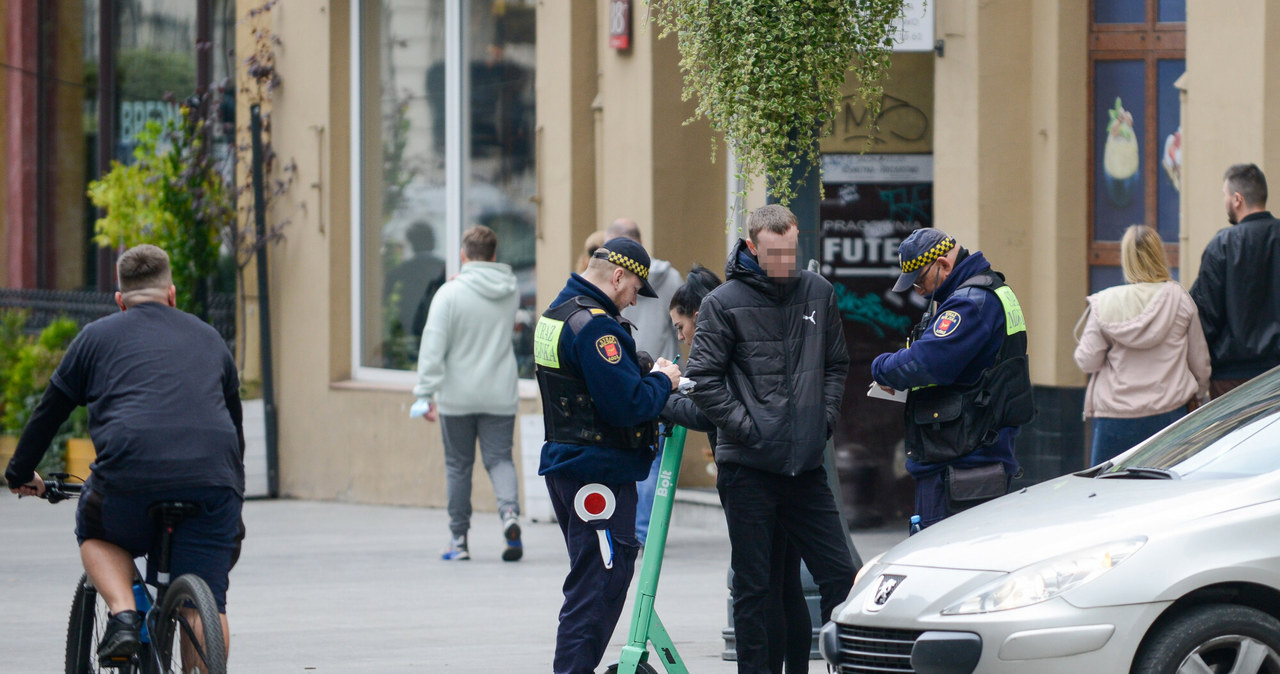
(57, 489)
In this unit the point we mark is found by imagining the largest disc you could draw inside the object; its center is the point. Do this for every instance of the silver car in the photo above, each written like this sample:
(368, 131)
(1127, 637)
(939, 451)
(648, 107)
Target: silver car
(1165, 559)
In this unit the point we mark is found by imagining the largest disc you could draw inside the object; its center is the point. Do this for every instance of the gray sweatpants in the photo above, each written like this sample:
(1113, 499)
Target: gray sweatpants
(494, 431)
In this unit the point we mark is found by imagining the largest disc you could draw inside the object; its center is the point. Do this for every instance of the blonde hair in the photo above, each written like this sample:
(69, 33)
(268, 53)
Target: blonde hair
(1142, 256)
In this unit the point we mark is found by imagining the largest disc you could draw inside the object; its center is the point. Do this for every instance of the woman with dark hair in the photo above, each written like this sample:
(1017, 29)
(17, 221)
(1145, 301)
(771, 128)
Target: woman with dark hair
(687, 299)
(790, 628)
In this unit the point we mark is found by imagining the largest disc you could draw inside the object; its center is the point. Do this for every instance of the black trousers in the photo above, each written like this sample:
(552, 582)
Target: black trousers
(593, 595)
(790, 629)
(758, 504)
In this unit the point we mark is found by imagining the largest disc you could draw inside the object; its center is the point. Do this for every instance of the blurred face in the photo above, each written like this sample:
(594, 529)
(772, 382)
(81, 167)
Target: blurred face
(684, 325)
(776, 252)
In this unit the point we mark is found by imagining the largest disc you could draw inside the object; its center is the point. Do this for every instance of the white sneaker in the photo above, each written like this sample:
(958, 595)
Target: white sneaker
(457, 550)
(511, 532)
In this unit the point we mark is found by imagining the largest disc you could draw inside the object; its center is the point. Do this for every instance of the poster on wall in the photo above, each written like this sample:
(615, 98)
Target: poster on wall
(870, 203)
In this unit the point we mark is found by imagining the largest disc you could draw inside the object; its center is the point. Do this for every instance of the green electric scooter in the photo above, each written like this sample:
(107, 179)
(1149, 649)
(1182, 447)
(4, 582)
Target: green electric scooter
(646, 628)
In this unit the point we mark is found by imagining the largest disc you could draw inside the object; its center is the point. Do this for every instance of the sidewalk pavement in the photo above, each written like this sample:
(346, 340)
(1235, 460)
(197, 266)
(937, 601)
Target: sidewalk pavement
(338, 587)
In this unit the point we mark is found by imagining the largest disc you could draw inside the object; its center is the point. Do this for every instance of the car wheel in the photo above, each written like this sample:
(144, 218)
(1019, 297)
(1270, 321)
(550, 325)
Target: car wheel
(1218, 639)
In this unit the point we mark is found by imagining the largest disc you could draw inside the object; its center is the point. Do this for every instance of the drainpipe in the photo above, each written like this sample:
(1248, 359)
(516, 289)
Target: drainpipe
(264, 304)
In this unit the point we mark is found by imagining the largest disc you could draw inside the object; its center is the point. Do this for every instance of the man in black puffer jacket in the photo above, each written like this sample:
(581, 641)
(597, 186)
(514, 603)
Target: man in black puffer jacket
(768, 363)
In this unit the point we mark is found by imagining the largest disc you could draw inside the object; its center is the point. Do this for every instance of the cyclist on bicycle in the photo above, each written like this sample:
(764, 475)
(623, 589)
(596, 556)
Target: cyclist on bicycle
(165, 418)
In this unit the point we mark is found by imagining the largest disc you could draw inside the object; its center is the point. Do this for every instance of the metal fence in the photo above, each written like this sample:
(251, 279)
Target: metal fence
(44, 306)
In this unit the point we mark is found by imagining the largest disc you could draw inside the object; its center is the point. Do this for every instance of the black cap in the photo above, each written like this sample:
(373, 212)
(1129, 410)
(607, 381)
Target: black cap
(629, 255)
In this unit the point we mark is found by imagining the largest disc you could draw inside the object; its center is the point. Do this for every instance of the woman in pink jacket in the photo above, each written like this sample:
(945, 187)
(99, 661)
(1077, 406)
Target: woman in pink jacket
(1143, 348)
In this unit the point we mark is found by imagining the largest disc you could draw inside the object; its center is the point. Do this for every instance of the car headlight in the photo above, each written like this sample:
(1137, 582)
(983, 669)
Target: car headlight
(1045, 580)
(868, 566)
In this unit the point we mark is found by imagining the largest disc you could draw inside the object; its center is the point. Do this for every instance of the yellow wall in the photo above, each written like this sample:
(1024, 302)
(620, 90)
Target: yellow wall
(644, 162)
(1010, 102)
(68, 159)
(1232, 106)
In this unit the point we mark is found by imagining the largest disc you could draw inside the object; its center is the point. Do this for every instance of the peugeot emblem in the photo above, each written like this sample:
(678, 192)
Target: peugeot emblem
(887, 585)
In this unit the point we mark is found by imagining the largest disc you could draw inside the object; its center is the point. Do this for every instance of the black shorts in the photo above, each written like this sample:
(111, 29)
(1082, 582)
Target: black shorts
(206, 543)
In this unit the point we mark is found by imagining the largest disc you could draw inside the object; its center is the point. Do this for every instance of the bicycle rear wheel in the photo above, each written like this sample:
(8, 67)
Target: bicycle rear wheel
(187, 635)
(84, 631)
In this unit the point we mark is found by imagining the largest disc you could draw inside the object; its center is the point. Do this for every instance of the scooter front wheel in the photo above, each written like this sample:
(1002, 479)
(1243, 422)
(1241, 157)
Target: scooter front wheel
(642, 668)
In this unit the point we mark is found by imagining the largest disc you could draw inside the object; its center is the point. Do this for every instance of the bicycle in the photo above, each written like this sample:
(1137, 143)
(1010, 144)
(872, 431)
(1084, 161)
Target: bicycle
(182, 617)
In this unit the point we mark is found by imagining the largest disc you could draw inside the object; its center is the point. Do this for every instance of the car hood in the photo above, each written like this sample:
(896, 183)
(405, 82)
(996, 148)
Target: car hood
(1068, 514)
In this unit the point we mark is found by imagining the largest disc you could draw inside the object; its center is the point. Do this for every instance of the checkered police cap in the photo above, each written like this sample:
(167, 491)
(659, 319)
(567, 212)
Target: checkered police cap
(918, 250)
(629, 255)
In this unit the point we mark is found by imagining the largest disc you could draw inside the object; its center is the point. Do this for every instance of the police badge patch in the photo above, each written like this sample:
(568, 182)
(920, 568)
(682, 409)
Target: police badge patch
(947, 323)
(609, 349)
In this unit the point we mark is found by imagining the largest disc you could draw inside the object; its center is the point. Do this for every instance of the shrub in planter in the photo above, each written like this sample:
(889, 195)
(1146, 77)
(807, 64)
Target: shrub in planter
(26, 365)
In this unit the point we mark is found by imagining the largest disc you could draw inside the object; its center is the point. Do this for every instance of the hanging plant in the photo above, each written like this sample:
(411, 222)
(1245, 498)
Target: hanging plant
(767, 73)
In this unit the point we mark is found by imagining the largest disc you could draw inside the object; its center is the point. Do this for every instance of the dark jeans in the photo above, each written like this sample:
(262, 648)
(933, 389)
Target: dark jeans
(207, 543)
(1111, 437)
(757, 504)
(593, 595)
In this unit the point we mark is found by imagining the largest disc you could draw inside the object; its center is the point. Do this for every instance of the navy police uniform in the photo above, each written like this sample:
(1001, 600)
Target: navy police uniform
(966, 374)
(600, 410)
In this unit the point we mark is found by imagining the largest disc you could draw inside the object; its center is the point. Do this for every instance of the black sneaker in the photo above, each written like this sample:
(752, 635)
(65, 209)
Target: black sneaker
(120, 639)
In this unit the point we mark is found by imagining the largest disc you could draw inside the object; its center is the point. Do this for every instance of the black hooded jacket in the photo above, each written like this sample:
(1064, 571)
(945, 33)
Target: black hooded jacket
(769, 364)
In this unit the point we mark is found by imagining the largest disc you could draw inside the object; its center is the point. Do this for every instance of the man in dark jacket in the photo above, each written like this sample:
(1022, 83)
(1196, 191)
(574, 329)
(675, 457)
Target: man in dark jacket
(1238, 289)
(768, 363)
(598, 407)
(966, 373)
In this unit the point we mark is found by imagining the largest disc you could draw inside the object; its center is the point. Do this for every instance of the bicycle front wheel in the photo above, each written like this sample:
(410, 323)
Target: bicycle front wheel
(84, 631)
(187, 635)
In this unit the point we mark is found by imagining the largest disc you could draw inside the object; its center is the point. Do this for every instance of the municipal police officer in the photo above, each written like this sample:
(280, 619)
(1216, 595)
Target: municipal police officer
(600, 410)
(966, 372)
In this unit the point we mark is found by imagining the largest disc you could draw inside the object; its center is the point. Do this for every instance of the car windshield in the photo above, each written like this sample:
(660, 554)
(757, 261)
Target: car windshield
(1231, 438)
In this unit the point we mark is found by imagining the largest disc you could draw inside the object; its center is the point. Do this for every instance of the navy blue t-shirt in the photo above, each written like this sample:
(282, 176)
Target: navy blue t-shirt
(156, 381)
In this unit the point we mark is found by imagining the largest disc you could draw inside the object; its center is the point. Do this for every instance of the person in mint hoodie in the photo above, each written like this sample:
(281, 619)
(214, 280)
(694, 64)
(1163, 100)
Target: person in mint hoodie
(467, 375)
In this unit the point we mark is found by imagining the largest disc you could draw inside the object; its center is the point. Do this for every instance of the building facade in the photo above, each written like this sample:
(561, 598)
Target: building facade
(410, 120)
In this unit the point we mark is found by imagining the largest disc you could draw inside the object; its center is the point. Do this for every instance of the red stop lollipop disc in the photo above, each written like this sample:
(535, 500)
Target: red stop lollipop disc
(595, 502)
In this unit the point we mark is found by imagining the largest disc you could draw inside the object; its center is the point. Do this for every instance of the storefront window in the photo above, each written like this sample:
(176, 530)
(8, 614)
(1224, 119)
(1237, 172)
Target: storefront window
(445, 114)
(155, 66)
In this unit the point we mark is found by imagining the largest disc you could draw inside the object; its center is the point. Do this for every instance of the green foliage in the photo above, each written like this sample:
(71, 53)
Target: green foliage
(26, 365)
(172, 197)
(767, 74)
(12, 340)
(26, 376)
